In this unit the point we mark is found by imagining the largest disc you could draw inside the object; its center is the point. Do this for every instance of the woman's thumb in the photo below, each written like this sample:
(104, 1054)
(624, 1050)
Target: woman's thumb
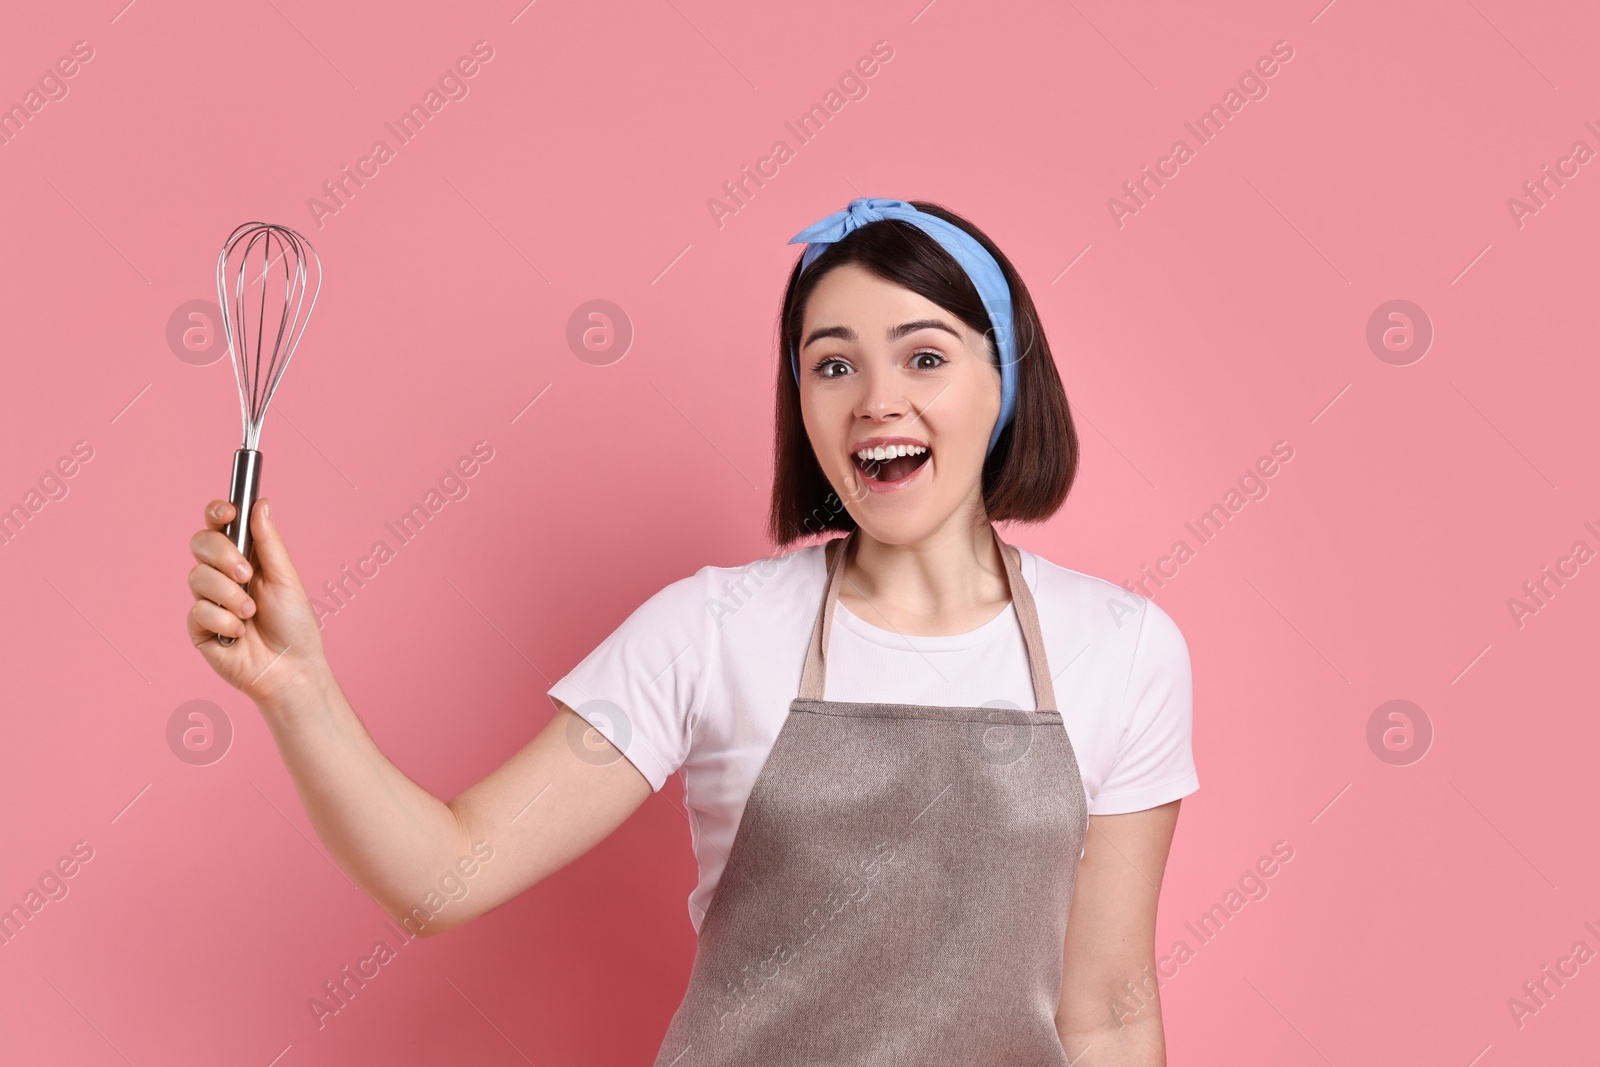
(271, 552)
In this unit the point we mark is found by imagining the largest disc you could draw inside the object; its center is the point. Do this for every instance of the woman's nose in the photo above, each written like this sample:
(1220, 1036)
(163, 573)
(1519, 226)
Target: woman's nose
(882, 396)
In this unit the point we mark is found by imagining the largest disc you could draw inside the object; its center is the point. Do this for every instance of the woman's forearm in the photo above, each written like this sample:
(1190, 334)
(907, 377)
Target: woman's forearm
(389, 834)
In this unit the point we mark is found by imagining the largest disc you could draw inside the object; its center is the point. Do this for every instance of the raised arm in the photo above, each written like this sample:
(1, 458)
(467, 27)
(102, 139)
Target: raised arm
(434, 863)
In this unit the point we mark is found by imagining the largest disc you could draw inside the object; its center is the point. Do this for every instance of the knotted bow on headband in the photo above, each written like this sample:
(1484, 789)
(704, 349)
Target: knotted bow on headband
(973, 257)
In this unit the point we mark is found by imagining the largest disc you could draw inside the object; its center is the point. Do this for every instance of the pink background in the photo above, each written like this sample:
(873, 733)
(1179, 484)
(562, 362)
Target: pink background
(1229, 313)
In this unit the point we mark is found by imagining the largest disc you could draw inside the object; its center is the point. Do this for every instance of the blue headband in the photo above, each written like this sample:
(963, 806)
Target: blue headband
(973, 257)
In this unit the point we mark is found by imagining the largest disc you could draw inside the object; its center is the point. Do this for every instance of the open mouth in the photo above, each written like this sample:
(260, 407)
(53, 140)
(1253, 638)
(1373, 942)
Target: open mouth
(891, 468)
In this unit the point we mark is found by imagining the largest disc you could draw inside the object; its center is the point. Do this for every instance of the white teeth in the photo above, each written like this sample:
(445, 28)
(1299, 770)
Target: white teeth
(883, 452)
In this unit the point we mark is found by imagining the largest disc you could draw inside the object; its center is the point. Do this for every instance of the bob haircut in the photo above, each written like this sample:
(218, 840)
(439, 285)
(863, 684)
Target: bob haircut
(1040, 435)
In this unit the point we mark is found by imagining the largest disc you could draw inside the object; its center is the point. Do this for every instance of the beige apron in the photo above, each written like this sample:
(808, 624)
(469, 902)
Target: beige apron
(897, 890)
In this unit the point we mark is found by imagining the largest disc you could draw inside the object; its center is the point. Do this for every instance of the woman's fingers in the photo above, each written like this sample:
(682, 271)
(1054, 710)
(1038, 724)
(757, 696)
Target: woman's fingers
(213, 547)
(208, 583)
(221, 603)
(271, 552)
(218, 514)
(207, 620)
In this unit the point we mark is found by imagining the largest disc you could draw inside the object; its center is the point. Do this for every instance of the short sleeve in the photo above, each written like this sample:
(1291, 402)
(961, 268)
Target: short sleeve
(1155, 754)
(643, 686)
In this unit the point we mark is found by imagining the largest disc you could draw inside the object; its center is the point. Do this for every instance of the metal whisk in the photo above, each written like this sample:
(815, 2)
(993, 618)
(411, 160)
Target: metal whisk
(263, 329)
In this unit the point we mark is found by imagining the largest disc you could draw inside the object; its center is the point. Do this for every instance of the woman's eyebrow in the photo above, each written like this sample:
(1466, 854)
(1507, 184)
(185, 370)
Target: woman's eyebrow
(845, 333)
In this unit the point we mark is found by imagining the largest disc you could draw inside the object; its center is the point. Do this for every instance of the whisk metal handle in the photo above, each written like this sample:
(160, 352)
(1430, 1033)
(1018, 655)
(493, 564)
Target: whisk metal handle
(242, 495)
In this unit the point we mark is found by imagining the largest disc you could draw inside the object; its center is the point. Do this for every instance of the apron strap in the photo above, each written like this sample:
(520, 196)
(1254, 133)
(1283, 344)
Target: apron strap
(1044, 693)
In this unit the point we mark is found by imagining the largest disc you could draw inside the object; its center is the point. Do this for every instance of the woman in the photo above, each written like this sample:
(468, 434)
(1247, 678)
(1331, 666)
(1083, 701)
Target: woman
(906, 752)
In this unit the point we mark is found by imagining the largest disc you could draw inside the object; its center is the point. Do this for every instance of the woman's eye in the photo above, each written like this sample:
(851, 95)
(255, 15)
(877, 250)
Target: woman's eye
(823, 367)
(938, 357)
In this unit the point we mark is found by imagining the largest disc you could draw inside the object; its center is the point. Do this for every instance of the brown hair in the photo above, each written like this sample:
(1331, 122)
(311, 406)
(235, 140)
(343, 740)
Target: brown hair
(1040, 432)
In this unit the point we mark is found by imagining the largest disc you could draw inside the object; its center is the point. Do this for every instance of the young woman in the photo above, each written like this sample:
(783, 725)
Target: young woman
(907, 752)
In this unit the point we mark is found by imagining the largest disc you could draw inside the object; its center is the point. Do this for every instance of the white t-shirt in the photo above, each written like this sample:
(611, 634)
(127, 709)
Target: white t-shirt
(700, 676)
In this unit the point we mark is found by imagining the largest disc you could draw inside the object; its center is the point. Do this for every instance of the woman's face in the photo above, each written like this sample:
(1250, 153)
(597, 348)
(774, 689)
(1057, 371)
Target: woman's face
(882, 366)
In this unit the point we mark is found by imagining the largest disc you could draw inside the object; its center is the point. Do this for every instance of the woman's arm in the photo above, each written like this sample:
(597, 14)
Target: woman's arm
(1110, 1012)
(437, 864)
(424, 860)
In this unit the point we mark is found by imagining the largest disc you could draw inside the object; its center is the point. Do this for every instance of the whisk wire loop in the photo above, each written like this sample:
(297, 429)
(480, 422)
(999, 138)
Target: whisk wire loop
(261, 348)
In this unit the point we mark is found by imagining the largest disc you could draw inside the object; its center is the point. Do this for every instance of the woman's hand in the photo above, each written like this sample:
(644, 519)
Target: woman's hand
(278, 645)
